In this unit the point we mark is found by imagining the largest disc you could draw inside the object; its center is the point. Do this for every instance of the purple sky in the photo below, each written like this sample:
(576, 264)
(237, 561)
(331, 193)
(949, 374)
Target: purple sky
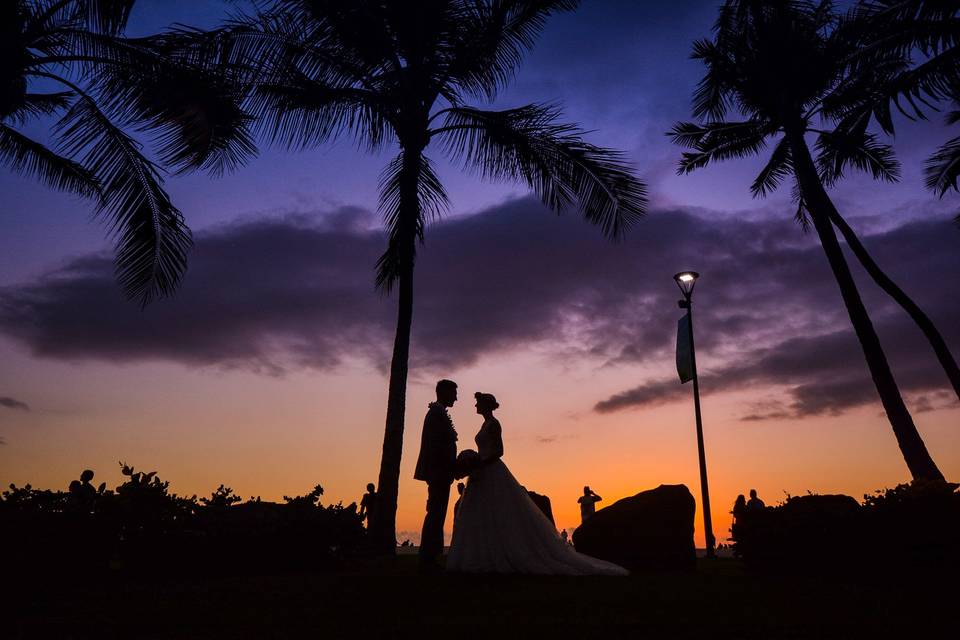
(619, 69)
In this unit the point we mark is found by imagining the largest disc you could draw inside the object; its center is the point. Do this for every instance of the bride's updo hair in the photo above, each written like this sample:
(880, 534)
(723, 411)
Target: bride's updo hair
(487, 400)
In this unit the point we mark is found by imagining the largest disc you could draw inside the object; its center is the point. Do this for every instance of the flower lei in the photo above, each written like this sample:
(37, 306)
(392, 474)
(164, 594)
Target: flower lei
(437, 405)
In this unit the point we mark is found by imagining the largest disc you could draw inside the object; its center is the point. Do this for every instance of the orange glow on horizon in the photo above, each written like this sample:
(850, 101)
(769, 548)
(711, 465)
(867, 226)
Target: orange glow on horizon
(268, 437)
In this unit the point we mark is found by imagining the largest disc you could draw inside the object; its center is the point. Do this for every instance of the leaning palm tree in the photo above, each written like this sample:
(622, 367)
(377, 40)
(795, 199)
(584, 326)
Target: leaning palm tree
(902, 30)
(68, 59)
(391, 72)
(776, 63)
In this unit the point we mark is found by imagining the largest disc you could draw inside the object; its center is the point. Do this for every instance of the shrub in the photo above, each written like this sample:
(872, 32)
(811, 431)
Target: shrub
(142, 526)
(909, 526)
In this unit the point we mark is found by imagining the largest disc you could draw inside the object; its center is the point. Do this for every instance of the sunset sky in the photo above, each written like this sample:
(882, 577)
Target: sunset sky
(267, 371)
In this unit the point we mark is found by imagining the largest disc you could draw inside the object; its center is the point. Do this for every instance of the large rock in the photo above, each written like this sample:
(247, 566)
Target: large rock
(543, 503)
(651, 530)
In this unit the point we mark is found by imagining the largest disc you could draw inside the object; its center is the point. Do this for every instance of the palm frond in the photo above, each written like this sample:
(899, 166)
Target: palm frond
(271, 45)
(108, 17)
(802, 215)
(491, 39)
(718, 141)
(907, 29)
(905, 25)
(860, 150)
(36, 105)
(194, 116)
(302, 114)
(711, 98)
(30, 158)
(151, 238)
(402, 215)
(942, 169)
(532, 144)
(778, 167)
(105, 16)
(89, 53)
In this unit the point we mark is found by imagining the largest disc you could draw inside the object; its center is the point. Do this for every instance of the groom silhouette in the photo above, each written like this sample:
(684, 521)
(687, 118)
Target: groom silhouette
(435, 466)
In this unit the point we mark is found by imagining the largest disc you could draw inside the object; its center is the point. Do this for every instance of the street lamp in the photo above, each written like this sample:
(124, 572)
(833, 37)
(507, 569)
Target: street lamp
(687, 280)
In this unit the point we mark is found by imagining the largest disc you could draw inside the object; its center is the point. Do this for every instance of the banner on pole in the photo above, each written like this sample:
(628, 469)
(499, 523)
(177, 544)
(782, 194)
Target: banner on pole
(684, 359)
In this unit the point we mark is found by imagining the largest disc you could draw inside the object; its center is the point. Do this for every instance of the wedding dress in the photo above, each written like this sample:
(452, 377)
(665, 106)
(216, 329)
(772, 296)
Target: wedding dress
(499, 529)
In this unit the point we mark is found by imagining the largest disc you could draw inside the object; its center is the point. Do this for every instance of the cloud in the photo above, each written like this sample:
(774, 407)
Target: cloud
(13, 403)
(823, 372)
(274, 294)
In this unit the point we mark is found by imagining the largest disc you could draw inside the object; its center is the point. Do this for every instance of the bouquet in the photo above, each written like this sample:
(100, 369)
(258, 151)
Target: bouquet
(467, 461)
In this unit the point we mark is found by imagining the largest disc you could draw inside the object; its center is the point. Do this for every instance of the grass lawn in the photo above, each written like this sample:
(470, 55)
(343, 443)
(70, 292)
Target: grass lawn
(389, 600)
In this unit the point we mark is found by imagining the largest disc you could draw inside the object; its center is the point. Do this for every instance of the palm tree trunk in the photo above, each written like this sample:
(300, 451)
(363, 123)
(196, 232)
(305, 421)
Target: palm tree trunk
(890, 287)
(383, 524)
(915, 453)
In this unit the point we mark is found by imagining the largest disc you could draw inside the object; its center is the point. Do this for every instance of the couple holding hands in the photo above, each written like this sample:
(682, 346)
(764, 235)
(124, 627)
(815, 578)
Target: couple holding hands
(498, 528)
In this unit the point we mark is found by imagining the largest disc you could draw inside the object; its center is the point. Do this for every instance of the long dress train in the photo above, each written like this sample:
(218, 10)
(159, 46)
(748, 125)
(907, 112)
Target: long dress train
(499, 529)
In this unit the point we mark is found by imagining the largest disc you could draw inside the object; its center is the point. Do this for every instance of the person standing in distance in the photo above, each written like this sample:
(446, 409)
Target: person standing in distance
(368, 503)
(587, 502)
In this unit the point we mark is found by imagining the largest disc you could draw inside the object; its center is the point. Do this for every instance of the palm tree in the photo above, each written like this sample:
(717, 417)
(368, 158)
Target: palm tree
(391, 72)
(930, 30)
(777, 63)
(888, 30)
(919, 317)
(68, 59)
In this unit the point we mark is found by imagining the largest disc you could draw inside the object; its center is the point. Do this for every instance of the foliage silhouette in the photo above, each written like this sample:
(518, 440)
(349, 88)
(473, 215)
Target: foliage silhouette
(222, 498)
(780, 64)
(391, 72)
(910, 526)
(107, 84)
(889, 34)
(141, 526)
(927, 34)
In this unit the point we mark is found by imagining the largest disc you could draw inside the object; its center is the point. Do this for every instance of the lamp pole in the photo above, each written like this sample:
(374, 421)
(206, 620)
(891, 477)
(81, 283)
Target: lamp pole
(686, 281)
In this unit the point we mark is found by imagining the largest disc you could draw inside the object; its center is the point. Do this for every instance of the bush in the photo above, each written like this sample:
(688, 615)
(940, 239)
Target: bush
(141, 526)
(918, 521)
(909, 526)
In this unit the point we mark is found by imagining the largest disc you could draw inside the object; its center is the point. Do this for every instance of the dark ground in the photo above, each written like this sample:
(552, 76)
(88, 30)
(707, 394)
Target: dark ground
(389, 600)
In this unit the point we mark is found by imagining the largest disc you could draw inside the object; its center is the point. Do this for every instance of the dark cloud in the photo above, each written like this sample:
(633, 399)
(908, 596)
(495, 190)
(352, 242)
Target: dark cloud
(824, 371)
(270, 295)
(13, 403)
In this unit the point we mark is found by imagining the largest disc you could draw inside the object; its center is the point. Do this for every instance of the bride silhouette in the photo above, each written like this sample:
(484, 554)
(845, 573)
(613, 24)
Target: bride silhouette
(498, 528)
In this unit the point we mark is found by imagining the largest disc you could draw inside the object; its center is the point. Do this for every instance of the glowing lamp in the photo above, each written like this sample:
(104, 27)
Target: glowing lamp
(686, 280)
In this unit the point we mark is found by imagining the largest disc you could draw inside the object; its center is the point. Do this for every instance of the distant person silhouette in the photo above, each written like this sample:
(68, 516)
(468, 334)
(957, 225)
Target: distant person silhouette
(754, 503)
(564, 536)
(587, 503)
(456, 505)
(368, 503)
(82, 493)
(435, 466)
(739, 507)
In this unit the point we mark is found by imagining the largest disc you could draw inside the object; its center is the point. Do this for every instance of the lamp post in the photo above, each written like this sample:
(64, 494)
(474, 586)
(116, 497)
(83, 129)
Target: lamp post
(686, 280)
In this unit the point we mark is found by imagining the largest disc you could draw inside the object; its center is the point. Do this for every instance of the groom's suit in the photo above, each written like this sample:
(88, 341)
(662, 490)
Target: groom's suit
(435, 466)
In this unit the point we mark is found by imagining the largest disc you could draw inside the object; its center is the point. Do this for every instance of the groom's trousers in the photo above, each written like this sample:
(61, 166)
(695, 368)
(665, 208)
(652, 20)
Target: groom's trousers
(431, 539)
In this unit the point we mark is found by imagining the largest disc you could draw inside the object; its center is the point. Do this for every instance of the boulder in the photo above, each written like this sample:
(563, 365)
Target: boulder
(543, 503)
(651, 530)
